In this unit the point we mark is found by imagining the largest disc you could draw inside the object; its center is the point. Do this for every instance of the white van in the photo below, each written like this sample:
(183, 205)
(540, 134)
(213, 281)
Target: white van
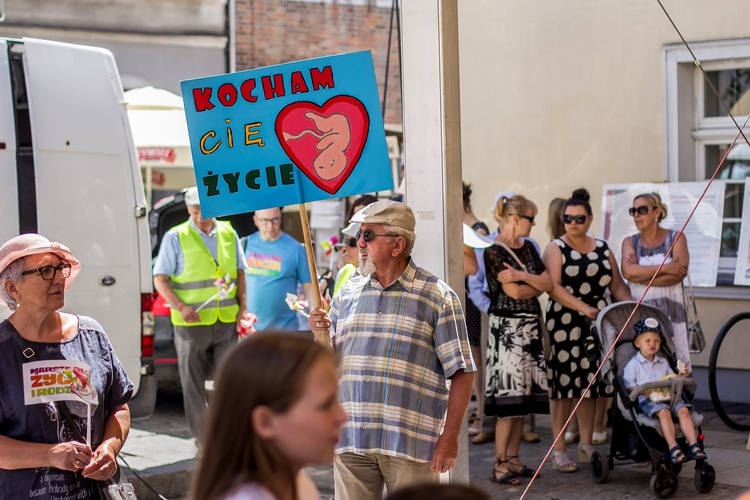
(69, 171)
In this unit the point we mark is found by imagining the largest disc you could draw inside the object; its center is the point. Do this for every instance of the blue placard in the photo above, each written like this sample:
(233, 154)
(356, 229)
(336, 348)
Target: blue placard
(281, 135)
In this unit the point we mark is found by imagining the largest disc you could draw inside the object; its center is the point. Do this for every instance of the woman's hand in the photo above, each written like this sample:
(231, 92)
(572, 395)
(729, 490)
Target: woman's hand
(675, 268)
(590, 312)
(103, 464)
(510, 274)
(70, 456)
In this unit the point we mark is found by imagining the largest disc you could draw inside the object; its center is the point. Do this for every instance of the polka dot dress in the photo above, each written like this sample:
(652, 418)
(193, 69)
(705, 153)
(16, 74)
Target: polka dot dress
(586, 277)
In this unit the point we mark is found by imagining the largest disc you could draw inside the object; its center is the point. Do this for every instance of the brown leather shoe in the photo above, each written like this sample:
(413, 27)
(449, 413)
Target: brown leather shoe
(483, 437)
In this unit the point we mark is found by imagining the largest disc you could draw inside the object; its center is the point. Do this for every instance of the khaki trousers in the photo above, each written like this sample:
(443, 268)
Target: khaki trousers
(362, 477)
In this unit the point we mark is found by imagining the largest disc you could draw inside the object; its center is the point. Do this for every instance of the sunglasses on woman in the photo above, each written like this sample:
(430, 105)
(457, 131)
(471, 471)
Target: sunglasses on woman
(642, 210)
(49, 272)
(350, 242)
(368, 235)
(578, 219)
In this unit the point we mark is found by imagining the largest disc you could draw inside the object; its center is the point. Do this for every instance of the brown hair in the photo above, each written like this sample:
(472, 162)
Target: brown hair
(555, 226)
(268, 369)
(655, 201)
(506, 207)
(467, 197)
(580, 198)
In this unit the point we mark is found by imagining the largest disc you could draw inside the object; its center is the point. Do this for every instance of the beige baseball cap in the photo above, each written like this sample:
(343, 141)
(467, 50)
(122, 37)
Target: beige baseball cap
(392, 213)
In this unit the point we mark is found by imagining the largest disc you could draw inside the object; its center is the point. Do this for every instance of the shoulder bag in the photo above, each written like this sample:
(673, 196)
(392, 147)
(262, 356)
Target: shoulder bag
(116, 487)
(696, 339)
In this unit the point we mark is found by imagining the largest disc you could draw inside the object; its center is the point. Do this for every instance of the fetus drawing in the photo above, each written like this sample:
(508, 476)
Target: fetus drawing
(325, 142)
(334, 136)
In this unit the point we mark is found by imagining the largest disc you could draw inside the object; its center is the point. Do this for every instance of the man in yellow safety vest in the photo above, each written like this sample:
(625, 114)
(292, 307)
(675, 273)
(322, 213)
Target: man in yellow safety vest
(200, 273)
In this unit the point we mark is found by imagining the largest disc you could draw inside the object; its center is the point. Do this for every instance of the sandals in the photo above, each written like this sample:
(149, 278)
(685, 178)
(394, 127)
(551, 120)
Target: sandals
(562, 462)
(676, 456)
(584, 453)
(695, 452)
(524, 472)
(572, 437)
(504, 478)
(599, 437)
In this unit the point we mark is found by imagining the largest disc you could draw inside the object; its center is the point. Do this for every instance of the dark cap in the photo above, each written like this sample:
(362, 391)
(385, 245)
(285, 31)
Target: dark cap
(647, 325)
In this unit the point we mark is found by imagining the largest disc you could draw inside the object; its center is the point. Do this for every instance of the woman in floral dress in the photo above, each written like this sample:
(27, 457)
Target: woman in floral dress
(515, 377)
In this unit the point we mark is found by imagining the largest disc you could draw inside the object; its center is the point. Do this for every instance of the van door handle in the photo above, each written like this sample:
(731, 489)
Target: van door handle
(107, 280)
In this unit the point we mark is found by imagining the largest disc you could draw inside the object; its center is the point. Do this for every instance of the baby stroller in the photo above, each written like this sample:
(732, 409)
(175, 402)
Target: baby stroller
(635, 436)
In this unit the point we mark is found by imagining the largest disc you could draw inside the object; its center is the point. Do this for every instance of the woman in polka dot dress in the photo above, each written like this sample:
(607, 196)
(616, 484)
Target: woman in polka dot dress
(582, 268)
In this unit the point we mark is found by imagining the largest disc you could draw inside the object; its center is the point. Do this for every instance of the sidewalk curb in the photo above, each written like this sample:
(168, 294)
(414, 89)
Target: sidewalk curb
(170, 480)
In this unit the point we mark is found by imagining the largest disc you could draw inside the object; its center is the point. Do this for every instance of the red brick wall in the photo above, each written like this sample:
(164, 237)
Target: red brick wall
(278, 31)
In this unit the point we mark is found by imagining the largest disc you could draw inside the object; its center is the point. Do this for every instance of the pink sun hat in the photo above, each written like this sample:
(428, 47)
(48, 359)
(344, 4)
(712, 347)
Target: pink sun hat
(34, 244)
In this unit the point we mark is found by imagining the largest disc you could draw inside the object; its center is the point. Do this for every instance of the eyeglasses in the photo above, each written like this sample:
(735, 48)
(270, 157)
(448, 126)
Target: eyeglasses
(49, 272)
(528, 218)
(350, 242)
(368, 235)
(579, 219)
(274, 221)
(642, 210)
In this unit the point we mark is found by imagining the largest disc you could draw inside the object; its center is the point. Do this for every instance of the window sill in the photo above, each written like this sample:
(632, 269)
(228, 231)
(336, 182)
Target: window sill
(723, 292)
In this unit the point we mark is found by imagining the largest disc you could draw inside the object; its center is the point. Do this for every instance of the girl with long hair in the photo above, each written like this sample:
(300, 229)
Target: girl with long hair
(275, 410)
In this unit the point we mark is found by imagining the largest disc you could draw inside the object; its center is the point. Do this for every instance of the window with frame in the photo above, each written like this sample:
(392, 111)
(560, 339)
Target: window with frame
(699, 129)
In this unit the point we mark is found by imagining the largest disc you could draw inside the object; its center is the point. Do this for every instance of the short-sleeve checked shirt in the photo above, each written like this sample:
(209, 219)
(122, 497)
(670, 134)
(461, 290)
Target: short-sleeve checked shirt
(398, 345)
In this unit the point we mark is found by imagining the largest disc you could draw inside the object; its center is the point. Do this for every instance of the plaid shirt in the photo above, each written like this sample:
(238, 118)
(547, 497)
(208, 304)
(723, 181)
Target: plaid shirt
(398, 346)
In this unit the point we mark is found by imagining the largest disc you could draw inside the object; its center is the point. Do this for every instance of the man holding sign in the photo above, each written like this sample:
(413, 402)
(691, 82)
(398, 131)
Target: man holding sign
(401, 335)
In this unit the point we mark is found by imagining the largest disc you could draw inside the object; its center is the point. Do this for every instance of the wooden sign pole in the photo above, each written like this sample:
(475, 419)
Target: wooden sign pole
(310, 255)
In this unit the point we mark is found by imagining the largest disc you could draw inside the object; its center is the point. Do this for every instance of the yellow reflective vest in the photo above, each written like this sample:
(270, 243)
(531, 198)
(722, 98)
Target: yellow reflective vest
(197, 282)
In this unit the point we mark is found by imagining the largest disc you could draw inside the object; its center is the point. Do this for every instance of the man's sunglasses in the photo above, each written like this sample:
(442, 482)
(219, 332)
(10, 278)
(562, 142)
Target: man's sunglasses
(642, 210)
(368, 235)
(49, 272)
(578, 219)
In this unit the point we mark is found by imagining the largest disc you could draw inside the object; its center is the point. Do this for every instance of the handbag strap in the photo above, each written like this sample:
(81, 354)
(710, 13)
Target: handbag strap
(689, 297)
(512, 254)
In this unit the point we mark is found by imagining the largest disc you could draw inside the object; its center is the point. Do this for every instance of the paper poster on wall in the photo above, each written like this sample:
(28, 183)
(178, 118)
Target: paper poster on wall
(282, 135)
(703, 233)
(742, 271)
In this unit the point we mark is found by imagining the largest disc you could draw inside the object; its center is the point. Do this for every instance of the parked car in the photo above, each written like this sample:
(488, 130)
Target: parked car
(167, 213)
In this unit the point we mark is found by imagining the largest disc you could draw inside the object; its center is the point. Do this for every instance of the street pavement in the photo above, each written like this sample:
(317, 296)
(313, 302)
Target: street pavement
(161, 451)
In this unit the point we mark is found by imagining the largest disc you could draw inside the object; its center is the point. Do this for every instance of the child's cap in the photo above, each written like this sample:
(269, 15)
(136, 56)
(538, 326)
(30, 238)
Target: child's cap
(647, 325)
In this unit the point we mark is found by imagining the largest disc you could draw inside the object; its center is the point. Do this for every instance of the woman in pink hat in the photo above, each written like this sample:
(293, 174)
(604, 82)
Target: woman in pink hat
(64, 413)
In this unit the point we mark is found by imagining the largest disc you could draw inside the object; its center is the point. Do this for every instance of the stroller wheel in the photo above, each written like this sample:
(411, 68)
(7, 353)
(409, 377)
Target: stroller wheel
(599, 467)
(704, 478)
(664, 484)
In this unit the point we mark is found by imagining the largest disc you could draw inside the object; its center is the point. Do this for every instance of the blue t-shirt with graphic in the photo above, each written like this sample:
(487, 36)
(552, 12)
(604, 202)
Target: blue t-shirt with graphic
(23, 418)
(273, 269)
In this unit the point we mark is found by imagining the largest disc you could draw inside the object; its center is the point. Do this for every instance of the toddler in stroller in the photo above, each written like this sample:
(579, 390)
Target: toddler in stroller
(647, 366)
(644, 389)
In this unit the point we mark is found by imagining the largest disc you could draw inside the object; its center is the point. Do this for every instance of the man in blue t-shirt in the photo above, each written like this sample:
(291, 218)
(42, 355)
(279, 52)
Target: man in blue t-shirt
(276, 262)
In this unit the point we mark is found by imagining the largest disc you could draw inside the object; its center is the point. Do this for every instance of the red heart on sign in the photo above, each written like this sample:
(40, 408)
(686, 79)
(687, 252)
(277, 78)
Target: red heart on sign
(325, 142)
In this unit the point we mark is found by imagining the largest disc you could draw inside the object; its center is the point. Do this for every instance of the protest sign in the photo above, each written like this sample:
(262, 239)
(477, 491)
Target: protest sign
(57, 380)
(288, 134)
